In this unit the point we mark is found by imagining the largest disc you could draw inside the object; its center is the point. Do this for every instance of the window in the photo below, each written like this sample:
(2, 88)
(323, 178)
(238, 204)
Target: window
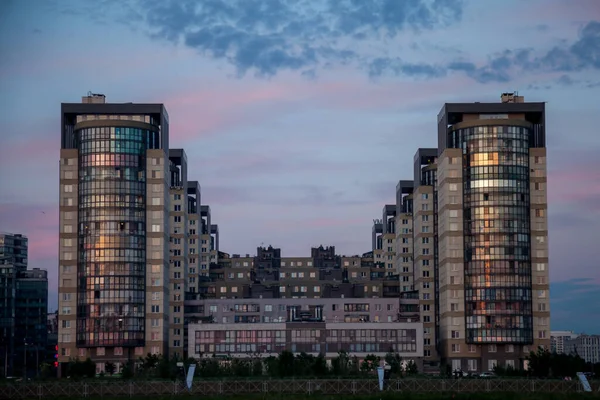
(156, 228)
(455, 348)
(453, 213)
(453, 187)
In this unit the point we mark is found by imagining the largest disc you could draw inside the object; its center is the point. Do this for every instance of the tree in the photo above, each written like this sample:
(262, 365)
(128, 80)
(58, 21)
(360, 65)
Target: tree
(394, 360)
(370, 363)
(341, 364)
(539, 363)
(285, 364)
(110, 368)
(411, 368)
(320, 365)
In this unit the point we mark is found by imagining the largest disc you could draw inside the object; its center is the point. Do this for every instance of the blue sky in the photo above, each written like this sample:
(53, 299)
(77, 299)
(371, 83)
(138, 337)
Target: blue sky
(299, 117)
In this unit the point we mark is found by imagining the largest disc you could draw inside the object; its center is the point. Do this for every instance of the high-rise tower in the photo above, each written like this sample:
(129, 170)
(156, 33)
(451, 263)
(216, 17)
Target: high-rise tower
(114, 236)
(492, 233)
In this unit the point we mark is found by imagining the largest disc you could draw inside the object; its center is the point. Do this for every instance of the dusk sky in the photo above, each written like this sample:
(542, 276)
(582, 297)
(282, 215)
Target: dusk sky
(299, 117)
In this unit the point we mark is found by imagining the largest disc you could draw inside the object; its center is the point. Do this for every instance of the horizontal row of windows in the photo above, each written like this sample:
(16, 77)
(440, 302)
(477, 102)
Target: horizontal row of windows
(103, 173)
(111, 160)
(102, 324)
(498, 294)
(115, 213)
(483, 141)
(485, 280)
(111, 339)
(112, 146)
(493, 238)
(102, 282)
(89, 226)
(113, 255)
(101, 188)
(111, 310)
(483, 250)
(113, 132)
(113, 268)
(496, 170)
(520, 307)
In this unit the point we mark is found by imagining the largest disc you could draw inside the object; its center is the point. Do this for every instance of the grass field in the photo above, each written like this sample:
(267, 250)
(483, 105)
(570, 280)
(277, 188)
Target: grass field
(387, 396)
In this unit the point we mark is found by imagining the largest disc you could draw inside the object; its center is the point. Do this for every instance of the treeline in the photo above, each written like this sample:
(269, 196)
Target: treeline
(544, 364)
(285, 365)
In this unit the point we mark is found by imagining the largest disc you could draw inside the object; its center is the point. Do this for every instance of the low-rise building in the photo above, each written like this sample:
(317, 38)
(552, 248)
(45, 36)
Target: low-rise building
(311, 335)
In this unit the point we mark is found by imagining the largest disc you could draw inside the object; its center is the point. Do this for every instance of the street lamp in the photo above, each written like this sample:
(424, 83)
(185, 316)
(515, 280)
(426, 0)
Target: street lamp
(25, 359)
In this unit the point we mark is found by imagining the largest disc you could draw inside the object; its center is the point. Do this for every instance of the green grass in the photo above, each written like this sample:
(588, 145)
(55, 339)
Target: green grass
(388, 396)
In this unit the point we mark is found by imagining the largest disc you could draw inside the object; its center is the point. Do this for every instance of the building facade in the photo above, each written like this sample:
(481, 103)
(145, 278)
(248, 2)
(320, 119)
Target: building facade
(312, 337)
(23, 309)
(585, 346)
(477, 210)
(558, 339)
(114, 230)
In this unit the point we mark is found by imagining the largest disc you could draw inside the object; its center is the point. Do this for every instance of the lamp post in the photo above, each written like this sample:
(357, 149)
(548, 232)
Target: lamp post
(25, 359)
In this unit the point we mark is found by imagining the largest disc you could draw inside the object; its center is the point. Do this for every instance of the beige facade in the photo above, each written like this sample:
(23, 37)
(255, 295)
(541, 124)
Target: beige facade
(479, 242)
(157, 266)
(423, 263)
(180, 251)
(404, 250)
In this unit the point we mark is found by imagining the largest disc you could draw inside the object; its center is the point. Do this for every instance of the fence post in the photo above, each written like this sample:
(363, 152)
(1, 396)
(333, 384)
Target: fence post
(308, 387)
(265, 386)
(221, 387)
(40, 391)
(353, 387)
(533, 386)
(130, 389)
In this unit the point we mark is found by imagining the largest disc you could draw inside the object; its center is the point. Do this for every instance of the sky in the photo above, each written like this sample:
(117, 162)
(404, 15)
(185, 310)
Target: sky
(300, 116)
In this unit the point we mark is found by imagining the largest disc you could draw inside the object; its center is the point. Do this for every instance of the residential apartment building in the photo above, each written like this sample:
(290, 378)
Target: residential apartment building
(558, 339)
(585, 346)
(312, 336)
(479, 217)
(114, 231)
(23, 309)
(334, 310)
(404, 235)
(492, 204)
(424, 272)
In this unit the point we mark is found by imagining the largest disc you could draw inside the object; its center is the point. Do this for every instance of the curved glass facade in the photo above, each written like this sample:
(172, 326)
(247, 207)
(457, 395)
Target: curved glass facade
(111, 236)
(498, 298)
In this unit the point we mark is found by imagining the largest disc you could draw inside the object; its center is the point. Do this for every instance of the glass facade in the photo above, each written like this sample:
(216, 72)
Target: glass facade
(112, 236)
(498, 298)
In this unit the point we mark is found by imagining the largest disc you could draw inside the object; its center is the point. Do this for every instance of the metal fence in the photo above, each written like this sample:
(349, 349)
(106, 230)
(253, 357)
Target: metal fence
(100, 389)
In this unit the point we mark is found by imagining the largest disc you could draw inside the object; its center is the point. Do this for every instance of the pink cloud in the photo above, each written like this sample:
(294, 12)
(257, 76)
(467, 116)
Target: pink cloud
(205, 109)
(575, 185)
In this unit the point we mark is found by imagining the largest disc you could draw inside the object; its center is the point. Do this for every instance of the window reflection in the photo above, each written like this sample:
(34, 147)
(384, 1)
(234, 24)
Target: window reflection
(112, 236)
(496, 233)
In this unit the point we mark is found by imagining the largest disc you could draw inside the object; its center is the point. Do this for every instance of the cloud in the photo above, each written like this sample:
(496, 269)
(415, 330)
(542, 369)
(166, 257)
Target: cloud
(573, 304)
(270, 36)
